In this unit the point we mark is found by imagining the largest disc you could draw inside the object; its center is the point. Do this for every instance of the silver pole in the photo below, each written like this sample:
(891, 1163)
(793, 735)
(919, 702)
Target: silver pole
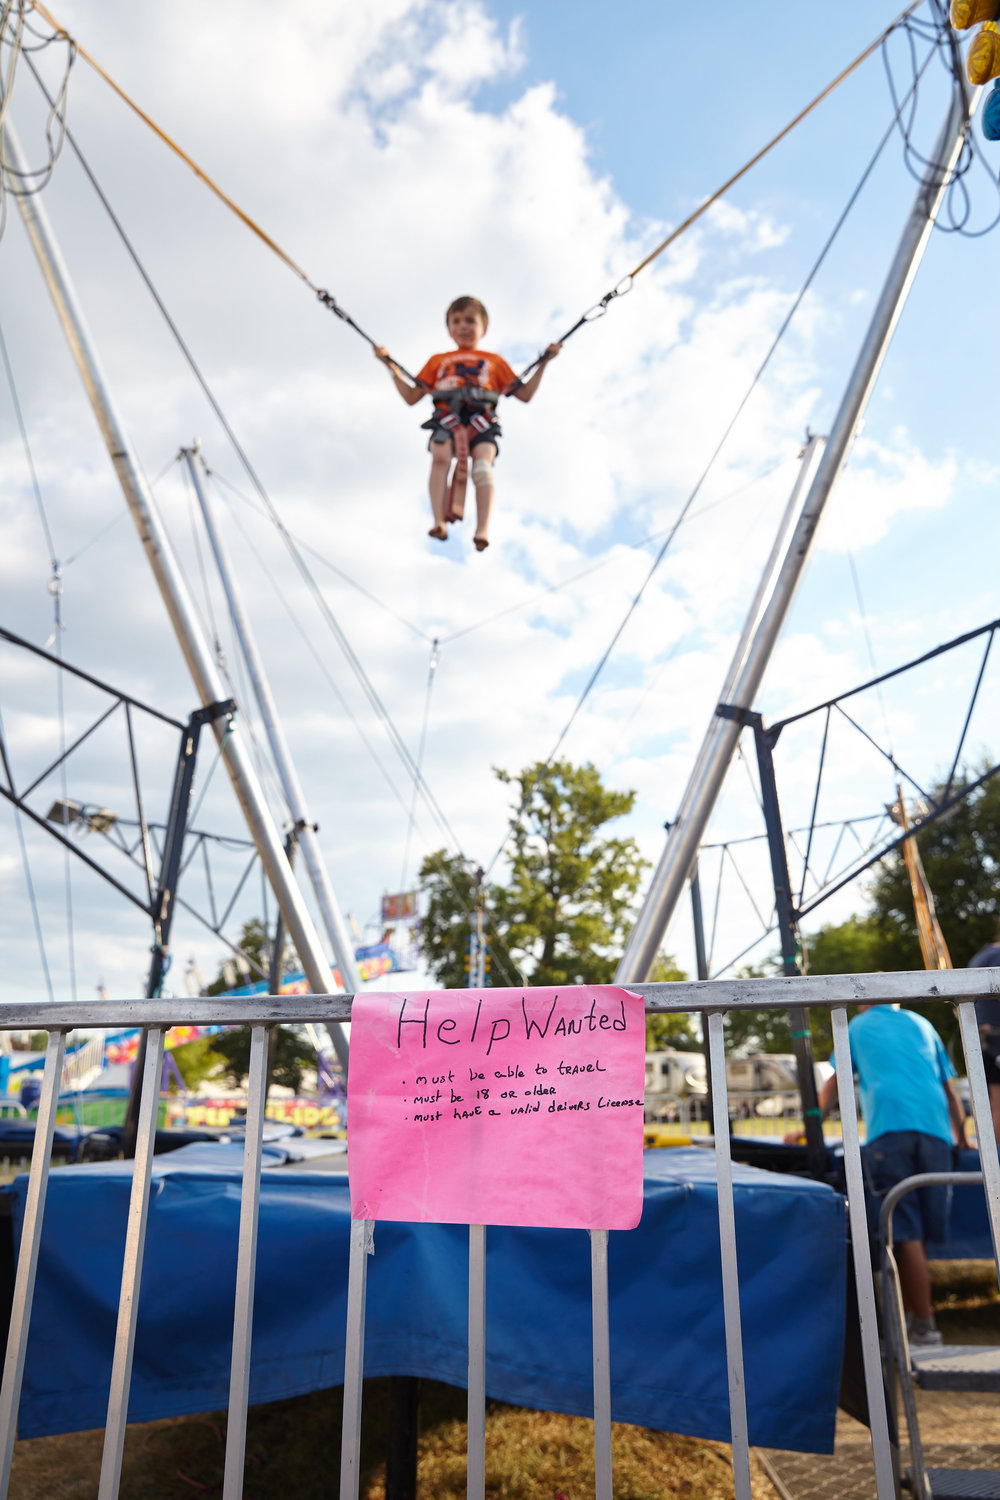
(738, 1426)
(877, 1417)
(27, 1259)
(475, 1442)
(601, 1334)
(786, 563)
(246, 1267)
(169, 578)
(305, 828)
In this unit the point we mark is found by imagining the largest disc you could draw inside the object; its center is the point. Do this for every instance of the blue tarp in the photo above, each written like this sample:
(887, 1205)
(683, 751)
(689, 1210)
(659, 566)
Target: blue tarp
(968, 1221)
(667, 1339)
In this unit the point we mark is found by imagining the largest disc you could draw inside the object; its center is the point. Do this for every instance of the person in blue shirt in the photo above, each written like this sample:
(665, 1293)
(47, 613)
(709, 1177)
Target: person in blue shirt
(988, 1017)
(913, 1118)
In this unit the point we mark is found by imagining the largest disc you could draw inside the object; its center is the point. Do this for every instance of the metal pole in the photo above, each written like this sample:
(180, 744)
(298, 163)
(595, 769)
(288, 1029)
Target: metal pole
(701, 962)
(787, 928)
(165, 904)
(170, 580)
(274, 975)
(785, 565)
(305, 828)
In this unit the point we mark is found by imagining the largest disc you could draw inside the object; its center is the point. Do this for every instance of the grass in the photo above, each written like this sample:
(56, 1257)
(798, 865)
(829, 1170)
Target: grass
(293, 1449)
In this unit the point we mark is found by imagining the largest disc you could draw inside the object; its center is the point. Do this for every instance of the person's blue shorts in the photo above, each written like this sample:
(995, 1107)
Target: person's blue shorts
(922, 1214)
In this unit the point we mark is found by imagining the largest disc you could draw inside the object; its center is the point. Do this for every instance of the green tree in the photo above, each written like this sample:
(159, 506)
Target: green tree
(674, 1029)
(565, 912)
(449, 884)
(293, 1053)
(749, 1031)
(961, 855)
(852, 947)
(196, 1062)
(256, 945)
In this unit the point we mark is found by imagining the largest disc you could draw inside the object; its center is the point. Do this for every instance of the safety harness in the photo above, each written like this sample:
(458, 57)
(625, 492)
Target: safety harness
(469, 414)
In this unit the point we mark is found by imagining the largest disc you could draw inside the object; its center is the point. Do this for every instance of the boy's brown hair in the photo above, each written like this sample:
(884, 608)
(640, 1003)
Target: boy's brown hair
(463, 304)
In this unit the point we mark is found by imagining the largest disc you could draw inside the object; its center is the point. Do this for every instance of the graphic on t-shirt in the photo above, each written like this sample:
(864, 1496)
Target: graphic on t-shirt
(458, 368)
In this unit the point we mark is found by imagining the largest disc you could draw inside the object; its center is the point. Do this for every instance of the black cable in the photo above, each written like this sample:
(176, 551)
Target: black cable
(603, 562)
(957, 208)
(317, 657)
(26, 864)
(319, 556)
(22, 428)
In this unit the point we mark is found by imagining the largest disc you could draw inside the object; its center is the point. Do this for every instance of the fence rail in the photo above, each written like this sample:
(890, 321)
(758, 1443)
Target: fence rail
(711, 998)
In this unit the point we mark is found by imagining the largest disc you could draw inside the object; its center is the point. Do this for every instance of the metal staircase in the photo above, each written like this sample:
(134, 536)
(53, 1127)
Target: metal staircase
(947, 1367)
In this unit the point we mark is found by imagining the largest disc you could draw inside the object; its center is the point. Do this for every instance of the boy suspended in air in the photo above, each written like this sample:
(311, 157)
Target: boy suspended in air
(465, 385)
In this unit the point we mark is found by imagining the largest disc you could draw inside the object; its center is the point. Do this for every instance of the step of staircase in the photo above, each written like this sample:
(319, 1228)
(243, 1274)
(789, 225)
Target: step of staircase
(956, 1367)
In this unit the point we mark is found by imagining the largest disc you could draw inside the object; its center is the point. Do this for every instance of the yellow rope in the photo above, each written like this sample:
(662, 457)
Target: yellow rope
(692, 218)
(250, 223)
(663, 245)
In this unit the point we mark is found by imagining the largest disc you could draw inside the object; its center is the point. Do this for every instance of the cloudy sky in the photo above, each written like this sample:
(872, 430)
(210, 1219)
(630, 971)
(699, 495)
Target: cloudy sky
(404, 152)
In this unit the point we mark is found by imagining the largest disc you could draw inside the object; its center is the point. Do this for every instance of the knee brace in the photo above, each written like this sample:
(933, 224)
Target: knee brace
(482, 472)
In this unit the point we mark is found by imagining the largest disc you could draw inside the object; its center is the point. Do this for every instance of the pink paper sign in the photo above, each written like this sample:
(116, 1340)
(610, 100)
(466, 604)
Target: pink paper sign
(498, 1107)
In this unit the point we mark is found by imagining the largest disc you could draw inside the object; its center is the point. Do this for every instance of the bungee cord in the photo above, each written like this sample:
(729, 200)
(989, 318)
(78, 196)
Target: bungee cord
(598, 310)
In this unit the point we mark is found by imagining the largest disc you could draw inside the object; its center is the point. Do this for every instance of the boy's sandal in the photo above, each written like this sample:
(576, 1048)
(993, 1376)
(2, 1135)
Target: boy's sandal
(438, 533)
(480, 543)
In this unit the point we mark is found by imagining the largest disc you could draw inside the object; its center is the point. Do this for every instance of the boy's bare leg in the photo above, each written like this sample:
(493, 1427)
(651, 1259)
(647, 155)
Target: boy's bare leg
(438, 487)
(483, 455)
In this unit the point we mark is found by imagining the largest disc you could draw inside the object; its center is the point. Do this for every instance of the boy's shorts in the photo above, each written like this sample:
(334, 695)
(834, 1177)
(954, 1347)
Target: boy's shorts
(922, 1214)
(441, 434)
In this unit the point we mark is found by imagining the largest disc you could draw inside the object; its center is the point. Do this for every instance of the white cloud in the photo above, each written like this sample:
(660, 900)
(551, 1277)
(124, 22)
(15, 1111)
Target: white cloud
(881, 482)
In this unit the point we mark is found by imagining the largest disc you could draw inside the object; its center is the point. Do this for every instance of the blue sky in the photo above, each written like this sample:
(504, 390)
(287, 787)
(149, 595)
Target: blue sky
(529, 155)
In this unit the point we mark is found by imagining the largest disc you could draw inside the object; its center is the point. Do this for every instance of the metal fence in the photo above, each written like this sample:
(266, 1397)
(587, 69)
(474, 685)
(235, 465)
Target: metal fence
(772, 1114)
(712, 999)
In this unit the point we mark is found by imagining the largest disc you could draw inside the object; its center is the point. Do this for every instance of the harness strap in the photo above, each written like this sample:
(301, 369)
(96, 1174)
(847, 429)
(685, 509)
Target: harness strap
(460, 477)
(476, 395)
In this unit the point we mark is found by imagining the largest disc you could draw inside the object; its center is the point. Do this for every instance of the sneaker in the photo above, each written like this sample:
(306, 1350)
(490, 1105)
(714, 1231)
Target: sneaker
(923, 1333)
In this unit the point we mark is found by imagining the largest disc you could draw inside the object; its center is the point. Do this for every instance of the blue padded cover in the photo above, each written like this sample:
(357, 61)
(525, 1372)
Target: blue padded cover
(667, 1341)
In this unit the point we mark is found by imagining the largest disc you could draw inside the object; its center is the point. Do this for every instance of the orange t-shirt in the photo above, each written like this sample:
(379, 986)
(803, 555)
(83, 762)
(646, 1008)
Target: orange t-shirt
(459, 367)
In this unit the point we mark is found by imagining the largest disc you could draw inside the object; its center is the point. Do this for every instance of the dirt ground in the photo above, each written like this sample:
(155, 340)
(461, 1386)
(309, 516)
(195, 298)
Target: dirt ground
(293, 1449)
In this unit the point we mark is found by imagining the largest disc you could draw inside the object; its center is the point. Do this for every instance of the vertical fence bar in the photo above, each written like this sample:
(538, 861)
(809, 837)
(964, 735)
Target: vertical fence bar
(730, 1273)
(362, 1231)
(878, 1421)
(135, 1240)
(979, 1091)
(602, 1363)
(476, 1424)
(246, 1267)
(27, 1260)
